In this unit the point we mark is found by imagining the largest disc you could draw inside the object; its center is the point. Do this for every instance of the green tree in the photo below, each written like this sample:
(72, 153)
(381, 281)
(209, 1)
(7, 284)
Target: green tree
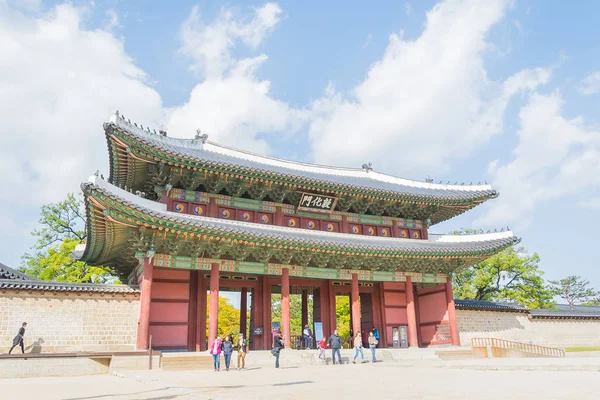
(62, 227)
(295, 312)
(229, 318)
(511, 275)
(342, 315)
(574, 289)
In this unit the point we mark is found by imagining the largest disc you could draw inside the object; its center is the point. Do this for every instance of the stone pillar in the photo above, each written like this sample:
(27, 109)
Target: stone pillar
(411, 313)
(213, 315)
(355, 299)
(285, 305)
(145, 299)
(243, 311)
(304, 308)
(452, 314)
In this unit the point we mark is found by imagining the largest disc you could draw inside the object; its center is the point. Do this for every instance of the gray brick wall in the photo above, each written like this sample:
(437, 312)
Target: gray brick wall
(519, 328)
(69, 321)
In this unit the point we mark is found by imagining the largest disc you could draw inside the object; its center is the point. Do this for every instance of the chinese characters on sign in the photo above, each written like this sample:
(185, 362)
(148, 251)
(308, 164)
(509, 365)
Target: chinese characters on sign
(317, 203)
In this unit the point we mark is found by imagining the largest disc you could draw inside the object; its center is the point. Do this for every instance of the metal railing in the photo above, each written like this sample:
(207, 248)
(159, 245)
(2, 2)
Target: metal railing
(502, 344)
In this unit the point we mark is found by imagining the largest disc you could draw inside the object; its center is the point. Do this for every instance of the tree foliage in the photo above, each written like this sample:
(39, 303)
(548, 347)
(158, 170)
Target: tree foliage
(229, 318)
(511, 275)
(342, 315)
(62, 228)
(295, 312)
(574, 289)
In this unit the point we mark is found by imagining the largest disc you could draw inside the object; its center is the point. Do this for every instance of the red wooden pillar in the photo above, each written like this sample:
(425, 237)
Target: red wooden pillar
(243, 311)
(332, 307)
(411, 313)
(213, 316)
(258, 315)
(304, 308)
(452, 314)
(324, 309)
(355, 305)
(285, 305)
(201, 313)
(145, 298)
(268, 335)
(193, 311)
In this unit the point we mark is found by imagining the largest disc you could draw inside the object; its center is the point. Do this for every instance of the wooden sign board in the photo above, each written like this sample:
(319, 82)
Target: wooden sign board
(317, 203)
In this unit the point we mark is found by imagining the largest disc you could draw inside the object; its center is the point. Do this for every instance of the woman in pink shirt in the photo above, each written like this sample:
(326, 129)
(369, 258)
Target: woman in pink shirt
(215, 350)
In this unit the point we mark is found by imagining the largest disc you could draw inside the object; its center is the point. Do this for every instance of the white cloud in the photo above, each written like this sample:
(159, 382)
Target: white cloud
(591, 84)
(556, 157)
(112, 20)
(210, 45)
(427, 101)
(593, 204)
(59, 83)
(232, 105)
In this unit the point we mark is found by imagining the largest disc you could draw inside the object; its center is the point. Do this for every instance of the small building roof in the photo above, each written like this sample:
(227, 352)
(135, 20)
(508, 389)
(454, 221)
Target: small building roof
(483, 305)
(7, 272)
(17, 284)
(575, 314)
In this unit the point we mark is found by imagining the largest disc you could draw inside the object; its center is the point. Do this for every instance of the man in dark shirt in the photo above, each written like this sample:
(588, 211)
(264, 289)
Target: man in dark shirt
(336, 344)
(18, 340)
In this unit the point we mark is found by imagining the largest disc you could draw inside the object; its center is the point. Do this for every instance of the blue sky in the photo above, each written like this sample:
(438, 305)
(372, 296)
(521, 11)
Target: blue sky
(503, 91)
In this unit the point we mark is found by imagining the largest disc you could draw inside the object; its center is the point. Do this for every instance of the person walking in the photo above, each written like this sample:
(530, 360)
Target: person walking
(241, 351)
(215, 350)
(322, 345)
(18, 340)
(278, 344)
(336, 344)
(372, 345)
(227, 350)
(307, 337)
(358, 348)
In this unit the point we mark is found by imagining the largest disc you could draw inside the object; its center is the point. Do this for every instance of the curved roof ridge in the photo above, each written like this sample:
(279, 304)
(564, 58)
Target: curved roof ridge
(215, 148)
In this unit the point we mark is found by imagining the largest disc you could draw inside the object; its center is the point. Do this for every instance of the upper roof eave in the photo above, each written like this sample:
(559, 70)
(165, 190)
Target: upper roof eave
(207, 152)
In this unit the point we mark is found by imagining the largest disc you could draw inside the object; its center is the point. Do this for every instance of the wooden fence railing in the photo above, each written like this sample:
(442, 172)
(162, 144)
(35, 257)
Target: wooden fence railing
(500, 345)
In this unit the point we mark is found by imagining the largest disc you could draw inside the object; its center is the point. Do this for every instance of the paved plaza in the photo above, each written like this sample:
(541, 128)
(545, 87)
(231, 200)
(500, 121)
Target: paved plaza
(366, 381)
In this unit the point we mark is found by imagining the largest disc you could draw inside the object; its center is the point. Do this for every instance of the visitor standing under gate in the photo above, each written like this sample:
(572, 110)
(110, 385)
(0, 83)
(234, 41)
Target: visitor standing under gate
(307, 337)
(242, 350)
(336, 344)
(215, 350)
(227, 350)
(372, 345)
(358, 348)
(278, 344)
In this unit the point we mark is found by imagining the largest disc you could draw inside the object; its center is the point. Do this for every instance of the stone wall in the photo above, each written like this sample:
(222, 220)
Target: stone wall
(516, 326)
(67, 321)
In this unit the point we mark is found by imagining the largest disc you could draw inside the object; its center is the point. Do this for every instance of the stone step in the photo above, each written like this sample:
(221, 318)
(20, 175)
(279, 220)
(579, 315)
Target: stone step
(458, 355)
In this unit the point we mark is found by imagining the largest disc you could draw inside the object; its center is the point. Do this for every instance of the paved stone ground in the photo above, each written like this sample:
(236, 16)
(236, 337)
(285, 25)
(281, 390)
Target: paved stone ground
(381, 381)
